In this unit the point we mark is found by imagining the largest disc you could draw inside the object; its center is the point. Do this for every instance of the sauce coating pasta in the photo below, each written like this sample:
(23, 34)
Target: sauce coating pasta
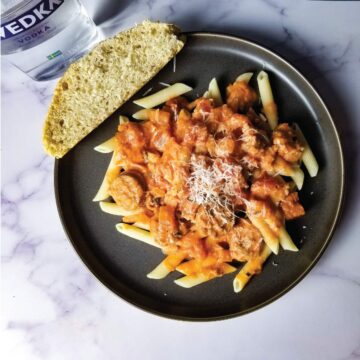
(207, 181)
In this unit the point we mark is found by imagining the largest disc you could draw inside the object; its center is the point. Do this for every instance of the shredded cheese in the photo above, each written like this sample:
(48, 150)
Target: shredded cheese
(214, 185)
(249, 162)
(174, 64)
(147, 91)
(164, 84)
(204, 114)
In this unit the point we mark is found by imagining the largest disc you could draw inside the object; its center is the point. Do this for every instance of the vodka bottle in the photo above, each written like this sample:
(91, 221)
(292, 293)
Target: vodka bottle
(42, 37)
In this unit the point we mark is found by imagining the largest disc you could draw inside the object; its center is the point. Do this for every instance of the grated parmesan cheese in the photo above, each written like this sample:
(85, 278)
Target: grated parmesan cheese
(213, 184)
(147, 91)
(164, 84)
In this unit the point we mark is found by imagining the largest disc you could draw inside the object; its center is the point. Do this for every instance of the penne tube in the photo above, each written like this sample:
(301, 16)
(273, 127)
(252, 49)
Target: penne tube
(286, 241)
(245, 77)
(142, 225)
(142, 114)
(269, 237)
(190, 267)
(112, 171)
(189, 281)
(193, 104)
(137, 234)
(308, 157)
(283, 168)
(123, 119)
(195, 266)
(106, 147)
(163, 95)
(267, 99)
(214, 92)
(310, 162)
(250, 269)
(114, 209)
(298, 177)
(168, 265)
(139, 219)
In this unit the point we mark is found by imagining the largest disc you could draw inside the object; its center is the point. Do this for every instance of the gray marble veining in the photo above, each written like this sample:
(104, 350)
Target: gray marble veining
(53, 308)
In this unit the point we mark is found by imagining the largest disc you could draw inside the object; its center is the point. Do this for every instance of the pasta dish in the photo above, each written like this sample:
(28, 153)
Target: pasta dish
(210, 183)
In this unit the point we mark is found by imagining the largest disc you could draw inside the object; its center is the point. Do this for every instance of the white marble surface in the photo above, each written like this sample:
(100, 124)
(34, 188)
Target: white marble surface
(53, 308)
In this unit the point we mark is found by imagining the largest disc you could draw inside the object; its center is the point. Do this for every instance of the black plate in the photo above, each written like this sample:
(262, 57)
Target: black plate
(122, 263)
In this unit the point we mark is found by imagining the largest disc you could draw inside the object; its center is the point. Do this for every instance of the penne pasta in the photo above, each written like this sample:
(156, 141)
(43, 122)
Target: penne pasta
(245, 77)
(163, 95)
(214, 92)
(250, 269)
(139, 219)
(269, 237)
(190, 267)
(123, 119)
(188, 198)
(142, 114)
(195, 266)
(137, 234)
(106, 147)
(114, 209)
(267, 99)
(283, 168)
(286, 241)
(298, 177)
(111, 173)
(189, 281)
(142, 225)
(308, 157)
(168, 265)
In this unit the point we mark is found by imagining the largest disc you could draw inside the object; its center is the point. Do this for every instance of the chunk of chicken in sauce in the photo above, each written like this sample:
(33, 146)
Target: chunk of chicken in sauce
(188, 209)
(131, 142)
(158, 129)
(174, 106)
(245, 241)
(213, 222)
(193, 245)
(276, 189)
(250, 140)
(164, 226)
(291, 206)
(217, 116)
(170, 170)
(267, 186)
(287, 144)
(223, 147)
(240, 96)
(128, 190)
(202, 109)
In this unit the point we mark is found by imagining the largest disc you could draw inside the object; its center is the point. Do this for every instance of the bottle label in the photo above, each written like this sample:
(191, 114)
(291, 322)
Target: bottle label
(29, 19)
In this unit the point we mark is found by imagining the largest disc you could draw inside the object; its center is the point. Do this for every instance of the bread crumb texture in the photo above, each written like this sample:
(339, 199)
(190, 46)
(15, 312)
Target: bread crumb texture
(99, 83)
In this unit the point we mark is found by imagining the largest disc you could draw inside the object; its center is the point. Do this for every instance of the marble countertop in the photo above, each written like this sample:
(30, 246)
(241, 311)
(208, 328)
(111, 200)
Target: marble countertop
(54, 308)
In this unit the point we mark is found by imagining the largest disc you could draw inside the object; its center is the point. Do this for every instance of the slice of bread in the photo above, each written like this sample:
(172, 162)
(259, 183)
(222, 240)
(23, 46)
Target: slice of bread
(99, 83)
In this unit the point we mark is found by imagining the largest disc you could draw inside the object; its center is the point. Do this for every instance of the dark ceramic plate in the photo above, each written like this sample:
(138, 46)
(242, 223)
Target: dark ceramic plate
(122, 263)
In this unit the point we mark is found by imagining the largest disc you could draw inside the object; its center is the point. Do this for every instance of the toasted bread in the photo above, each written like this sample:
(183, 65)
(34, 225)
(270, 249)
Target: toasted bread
(100, 82)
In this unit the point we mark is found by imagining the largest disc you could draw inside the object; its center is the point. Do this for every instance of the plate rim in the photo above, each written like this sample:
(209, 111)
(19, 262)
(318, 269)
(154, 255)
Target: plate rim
(326, 242)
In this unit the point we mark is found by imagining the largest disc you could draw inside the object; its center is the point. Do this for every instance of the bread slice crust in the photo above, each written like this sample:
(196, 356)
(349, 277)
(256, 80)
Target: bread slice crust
(96, 85)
